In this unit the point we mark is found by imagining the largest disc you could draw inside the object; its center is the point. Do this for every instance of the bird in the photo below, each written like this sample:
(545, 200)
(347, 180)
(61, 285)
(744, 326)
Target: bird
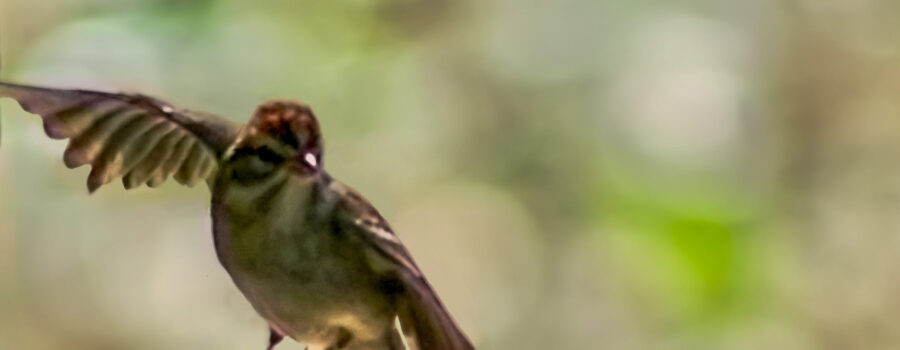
(313, 257)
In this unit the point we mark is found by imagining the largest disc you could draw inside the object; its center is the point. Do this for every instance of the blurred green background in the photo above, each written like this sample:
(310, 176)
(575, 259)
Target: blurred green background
(571, 174)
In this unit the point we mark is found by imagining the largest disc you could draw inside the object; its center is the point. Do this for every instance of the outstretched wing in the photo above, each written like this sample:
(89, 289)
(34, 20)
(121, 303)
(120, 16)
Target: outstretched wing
(420, 309)
(136, 137)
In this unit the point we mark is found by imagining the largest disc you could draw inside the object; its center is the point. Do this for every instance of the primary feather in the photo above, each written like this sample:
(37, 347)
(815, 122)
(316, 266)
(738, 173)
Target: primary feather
(134, 137)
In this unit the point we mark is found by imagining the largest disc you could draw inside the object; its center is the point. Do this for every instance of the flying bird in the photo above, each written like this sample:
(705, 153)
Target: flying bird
(312, 256)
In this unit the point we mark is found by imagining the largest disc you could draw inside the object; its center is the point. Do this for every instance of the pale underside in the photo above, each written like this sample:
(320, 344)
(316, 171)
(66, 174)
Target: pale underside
(299, 274)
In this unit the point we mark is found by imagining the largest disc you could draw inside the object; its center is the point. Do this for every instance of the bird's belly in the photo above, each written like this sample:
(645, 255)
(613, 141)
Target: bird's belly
(297, 274)
(314, 311)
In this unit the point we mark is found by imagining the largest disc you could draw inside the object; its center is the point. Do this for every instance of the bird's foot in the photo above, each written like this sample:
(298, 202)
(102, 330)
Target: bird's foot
(274, 339)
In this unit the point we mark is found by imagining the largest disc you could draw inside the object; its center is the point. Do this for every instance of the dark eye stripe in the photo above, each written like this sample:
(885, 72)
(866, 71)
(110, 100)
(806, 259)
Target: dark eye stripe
(264, 153)
(243, 152)
(267, 155)
(252, 166)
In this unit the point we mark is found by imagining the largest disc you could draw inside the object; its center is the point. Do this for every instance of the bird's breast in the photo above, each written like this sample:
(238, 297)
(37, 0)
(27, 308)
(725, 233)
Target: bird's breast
(266, 227)
(277, 242)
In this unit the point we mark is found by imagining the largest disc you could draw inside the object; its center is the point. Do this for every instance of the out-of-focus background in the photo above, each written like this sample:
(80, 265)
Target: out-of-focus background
(572, 174)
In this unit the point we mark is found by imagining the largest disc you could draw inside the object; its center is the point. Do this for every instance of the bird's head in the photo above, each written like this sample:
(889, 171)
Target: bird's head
(281, 133)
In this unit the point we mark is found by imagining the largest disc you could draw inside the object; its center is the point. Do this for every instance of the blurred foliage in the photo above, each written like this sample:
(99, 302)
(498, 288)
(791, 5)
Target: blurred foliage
(571, 174)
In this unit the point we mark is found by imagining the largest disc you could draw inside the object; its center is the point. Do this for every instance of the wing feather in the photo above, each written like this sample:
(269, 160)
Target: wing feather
(420, 310)
(162, 150)
(173, 162)
(86, 146)
(186, 173)
(207, 169)
(136, 152)
(71, 121)
(115, 158)
(134, 137)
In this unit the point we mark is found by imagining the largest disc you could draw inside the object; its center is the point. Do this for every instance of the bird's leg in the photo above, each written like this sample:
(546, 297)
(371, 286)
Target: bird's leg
(274, 338)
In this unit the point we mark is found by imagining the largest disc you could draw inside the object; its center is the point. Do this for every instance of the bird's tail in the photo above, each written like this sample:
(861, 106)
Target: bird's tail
(433, 326)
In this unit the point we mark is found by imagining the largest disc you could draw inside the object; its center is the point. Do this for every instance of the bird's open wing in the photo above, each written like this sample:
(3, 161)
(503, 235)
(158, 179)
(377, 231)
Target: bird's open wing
(136, 137)
(420, 308)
